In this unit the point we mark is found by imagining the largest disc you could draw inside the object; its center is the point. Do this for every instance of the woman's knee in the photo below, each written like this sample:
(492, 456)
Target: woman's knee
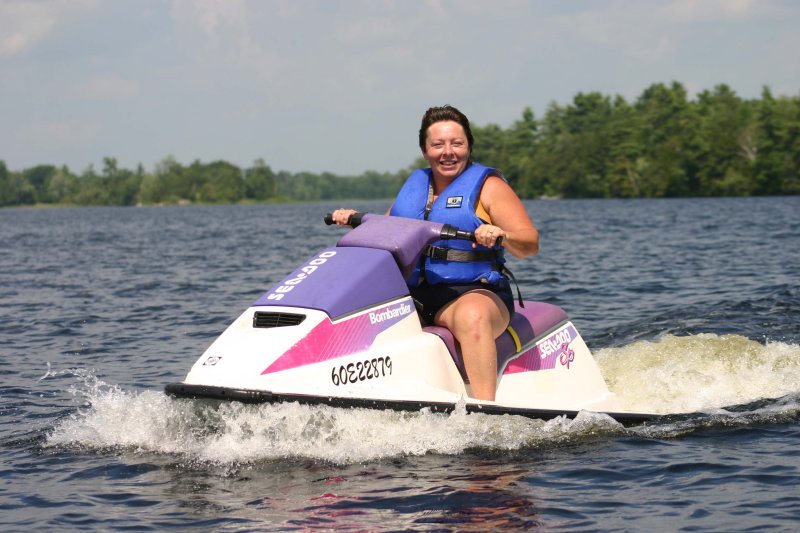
(474, 317)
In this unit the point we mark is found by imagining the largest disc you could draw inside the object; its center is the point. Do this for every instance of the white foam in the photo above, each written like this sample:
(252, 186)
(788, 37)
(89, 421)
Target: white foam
(699, 372)
(671, 375)
(150, 421)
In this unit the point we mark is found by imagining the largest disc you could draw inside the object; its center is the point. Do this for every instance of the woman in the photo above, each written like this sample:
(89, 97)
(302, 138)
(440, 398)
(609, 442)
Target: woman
(463, 286)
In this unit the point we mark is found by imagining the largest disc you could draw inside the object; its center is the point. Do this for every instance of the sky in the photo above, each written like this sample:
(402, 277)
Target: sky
(341, 85)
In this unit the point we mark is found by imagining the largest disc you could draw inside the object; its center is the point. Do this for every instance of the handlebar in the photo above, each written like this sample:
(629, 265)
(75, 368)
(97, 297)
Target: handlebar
(448, 231)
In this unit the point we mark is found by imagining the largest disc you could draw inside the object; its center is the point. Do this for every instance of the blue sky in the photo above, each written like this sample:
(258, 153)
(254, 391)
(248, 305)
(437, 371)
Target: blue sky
(340, 85)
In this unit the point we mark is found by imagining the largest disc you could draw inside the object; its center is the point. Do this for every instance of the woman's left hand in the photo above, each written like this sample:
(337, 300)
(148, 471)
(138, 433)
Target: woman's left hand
(488, 235)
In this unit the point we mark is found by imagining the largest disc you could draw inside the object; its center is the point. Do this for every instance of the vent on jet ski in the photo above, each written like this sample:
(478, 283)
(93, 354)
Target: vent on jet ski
(267, 319)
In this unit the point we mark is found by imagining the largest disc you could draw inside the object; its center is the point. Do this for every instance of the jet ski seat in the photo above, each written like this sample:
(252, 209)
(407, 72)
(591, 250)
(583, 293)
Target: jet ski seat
(528, 324)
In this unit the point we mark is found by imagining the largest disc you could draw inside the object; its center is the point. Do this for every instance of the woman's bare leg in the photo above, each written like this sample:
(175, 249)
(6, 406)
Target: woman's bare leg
(476, 319)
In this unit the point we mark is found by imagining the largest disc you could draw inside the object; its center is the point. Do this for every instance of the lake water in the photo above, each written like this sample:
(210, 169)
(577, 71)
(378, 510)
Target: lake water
(688, 305)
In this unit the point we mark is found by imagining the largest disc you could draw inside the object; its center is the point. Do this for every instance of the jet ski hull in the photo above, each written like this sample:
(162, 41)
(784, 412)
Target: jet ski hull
(222, 394)
(342, 330)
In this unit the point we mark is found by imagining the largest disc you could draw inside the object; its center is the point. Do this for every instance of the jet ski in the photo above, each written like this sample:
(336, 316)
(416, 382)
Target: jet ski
(342, 330)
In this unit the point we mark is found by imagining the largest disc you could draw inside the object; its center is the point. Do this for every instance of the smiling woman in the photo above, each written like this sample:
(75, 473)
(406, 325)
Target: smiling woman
(445, 131)
(459, 285)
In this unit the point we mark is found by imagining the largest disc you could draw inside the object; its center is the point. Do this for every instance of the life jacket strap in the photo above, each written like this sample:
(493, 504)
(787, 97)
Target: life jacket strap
(510, 276)
(461, 256)
(480, 256)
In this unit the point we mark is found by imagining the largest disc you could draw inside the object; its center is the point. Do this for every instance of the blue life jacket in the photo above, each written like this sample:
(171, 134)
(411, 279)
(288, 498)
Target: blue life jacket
(456, 206)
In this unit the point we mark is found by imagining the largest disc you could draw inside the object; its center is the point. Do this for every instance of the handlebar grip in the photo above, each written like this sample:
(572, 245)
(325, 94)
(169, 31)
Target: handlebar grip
(451, 232)
(353, 221)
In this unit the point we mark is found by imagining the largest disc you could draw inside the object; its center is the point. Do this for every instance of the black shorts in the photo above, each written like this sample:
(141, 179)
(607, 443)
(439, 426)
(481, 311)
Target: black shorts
(430, 299)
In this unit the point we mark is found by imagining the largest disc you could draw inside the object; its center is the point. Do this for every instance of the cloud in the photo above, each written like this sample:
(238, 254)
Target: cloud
(650, 33)
(655, 51)
(711, 10)
(108, 87)
(214, 18)
(263, 78)
(231, 36)
(56, 135)
(23, 23)
(617, 29)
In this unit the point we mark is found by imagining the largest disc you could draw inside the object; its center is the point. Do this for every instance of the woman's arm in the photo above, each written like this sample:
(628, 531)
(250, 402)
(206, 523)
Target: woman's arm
(509, 218)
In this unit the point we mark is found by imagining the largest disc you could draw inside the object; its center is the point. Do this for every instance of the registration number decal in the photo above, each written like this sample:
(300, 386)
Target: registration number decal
(377, 367)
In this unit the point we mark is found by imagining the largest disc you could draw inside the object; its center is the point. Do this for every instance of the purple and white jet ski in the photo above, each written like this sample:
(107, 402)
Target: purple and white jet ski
(342, 330)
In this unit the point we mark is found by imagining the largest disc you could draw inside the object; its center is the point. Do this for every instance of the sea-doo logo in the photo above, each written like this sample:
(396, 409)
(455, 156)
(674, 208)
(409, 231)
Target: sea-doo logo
(389, 313)
(454, 201)
(567, 355)
(305, 271)
(554, 342)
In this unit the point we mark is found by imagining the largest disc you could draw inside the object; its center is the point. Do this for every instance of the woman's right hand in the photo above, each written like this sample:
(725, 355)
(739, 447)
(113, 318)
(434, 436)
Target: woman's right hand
(342, 216)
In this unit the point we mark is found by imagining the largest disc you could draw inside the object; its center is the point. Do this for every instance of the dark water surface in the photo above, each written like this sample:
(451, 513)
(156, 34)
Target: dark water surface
(688, 305)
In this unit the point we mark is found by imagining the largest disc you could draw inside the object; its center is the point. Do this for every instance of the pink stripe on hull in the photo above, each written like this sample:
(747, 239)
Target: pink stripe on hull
(329, 341)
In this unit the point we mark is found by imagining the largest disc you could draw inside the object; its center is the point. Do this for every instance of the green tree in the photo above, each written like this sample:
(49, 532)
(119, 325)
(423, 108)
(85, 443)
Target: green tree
(553, 154)
(663, 119)
(92, 190)
(39, 177)
(573, 155)
(490, 146)
(122, 184)
(259, 181)
(777, 147)
(219, 182)
(626, 162)
(171, 183)
(63, 186)
(510, 151)
(14, 188)
(725, 149)
(521, 141)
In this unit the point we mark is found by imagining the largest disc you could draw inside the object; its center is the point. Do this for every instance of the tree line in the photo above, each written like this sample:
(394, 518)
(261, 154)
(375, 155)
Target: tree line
(663, 144)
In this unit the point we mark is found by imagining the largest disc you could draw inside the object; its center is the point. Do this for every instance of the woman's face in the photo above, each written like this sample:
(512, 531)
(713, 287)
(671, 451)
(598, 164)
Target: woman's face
(446, 149)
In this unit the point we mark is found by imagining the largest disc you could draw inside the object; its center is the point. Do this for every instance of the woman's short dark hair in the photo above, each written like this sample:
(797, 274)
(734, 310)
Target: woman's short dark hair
(441, 114)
